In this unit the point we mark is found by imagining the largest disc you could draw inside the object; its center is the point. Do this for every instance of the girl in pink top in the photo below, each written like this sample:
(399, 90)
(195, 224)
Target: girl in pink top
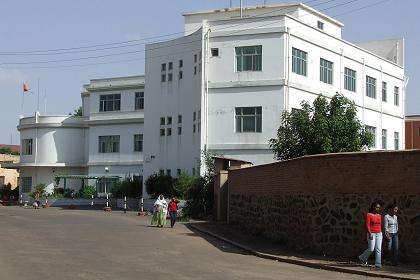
(374, 235)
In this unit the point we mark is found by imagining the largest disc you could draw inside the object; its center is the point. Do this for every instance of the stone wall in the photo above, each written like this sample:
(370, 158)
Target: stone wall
(318, 204)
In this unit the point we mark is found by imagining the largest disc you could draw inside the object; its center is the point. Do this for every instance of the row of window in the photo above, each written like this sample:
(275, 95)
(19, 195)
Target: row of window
(111, 143)
(167, 69)
(178, 172)
(384, 137)
(112, 102)
(299, 66)
(106, 144)
(168, 121)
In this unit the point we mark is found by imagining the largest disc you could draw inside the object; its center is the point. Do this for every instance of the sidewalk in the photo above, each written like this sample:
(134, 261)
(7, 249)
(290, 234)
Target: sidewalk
(270, 250)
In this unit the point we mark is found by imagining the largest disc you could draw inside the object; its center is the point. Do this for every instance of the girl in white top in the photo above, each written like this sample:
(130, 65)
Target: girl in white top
(391, 233)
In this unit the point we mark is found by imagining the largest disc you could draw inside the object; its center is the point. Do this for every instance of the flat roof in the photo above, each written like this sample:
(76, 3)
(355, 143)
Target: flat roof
(270, 6)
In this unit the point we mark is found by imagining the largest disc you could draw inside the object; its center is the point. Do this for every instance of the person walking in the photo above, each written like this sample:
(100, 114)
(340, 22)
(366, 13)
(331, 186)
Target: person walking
(160, 210)
(391, 233)
(173, 208)
(374, 235)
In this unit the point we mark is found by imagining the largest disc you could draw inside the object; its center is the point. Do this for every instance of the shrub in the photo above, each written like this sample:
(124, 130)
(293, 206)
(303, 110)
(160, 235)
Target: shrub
(38, 191)
(87, 192)
(130, 187)
(160, 184)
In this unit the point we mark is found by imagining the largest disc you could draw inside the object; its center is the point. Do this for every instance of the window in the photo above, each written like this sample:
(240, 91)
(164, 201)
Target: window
(199, 55)
(162, 121)
(139, 101)
(178, 172)
(169, 120)
(384, 91)
(161, 172)
(162, 132)
(163, 78)
(27, 147)
(163, 68)
(170, 66)
(194, 128)
(181, 63)
(180, 75)
(384, 138)
(109, 102)
(350, 79)
(168, 131)
(168, 172)
(138, 142)
(248, 119)
(299, 61)
(193, 171)
(195, 58)
(26, 183)
(326, 71)
(195, 70)
(320, 25)
(396, 141)
(370, 87)
(169, 77)
(372, 130)
(396, 96)
(105, 185)
(179, 118)
(194, 116)
(199, 127)
(179, 130)
(215, 52)
(109, 144)
(248, 58)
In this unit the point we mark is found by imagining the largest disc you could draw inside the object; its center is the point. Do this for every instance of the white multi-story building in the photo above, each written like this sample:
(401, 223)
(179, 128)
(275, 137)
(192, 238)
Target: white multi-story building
(106, 141)
(224, 84)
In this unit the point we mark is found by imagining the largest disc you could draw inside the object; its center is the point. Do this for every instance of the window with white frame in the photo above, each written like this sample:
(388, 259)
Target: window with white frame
(248, 119)
(105, 185)
(139, 101)
(372, 130)
(27, 147)
(170, 77)
(109, 102)
(170, 66)
(181, 63)
(326, 71)
(370, 87)
(168, 172)
(168, 131)
(396, 96)
(396, 140)
(384, 138)
(109, 144)
(163, 67)
(384, 91)
(162, 120)
(26, 183)
(169, 120)
(179, 118)
(162, 132)
(299, 61)
(138, 142)
(349, 79)
(248, 58)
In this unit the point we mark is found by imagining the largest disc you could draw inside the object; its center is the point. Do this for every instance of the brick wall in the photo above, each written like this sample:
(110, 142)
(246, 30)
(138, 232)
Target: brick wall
(318, 203)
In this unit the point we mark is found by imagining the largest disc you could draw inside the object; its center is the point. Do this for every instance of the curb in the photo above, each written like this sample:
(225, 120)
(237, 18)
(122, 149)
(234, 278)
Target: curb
(300, 262)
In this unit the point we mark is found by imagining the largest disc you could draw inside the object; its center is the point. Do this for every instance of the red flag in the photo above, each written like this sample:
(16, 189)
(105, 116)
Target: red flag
(26, 88)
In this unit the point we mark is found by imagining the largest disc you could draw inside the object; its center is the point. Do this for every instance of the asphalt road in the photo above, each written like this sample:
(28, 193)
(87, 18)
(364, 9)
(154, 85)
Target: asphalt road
(75, 244)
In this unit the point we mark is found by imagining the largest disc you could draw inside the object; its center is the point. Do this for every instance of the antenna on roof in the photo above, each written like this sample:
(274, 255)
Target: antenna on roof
(230, 4)
(240, 4)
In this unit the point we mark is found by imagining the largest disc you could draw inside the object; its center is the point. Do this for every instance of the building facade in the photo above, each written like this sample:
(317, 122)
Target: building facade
(412, 132)
(223, 85)
(106, 141)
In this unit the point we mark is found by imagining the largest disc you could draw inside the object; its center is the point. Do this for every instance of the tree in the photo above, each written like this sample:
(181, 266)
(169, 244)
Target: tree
(182, 183)
(321, 128)
(158, 184)
(78, 112)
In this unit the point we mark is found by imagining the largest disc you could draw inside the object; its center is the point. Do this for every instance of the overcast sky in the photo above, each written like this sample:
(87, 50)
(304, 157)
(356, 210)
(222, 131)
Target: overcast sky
(50, 24)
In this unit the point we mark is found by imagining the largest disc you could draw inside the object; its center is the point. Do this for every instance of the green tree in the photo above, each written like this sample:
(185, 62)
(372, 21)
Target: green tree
(324, 127)
(182, 183)
(78, 112)
(158, 184)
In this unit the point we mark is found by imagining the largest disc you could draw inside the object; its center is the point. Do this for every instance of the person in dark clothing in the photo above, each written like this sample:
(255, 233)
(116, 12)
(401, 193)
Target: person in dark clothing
(173, 207)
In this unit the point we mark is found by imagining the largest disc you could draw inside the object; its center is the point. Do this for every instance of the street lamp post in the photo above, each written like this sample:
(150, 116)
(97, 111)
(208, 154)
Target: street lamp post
(106, 191)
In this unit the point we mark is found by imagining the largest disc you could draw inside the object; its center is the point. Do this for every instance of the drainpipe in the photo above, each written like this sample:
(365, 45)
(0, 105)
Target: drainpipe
(406, 79)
